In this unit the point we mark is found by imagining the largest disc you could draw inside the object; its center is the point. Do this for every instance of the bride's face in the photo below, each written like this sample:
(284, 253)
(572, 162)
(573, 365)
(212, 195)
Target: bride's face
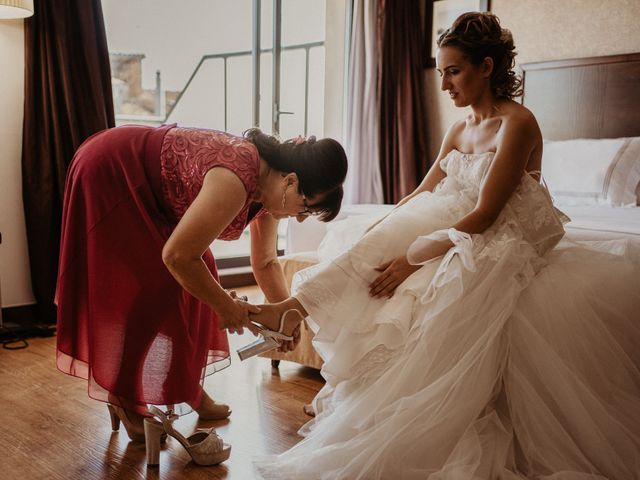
(464, 82)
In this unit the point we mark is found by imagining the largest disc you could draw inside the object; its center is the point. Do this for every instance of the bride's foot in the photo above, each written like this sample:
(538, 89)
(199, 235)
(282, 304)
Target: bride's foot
(208, 409)
(278, 319)
(279, 328)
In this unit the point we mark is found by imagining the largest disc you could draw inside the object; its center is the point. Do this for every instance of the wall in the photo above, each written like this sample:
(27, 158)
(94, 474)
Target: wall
(546, 30)
(15, 280)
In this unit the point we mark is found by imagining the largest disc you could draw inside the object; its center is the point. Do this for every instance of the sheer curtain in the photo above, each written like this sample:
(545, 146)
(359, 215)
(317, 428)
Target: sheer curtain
(67, 98)
(364, 183)
(386, 138)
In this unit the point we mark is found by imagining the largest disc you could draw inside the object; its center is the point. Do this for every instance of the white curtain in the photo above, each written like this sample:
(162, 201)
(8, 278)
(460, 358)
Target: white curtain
(364, 182)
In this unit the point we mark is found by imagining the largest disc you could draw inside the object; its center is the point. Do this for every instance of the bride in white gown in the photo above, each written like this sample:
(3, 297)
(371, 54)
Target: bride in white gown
(457, 342)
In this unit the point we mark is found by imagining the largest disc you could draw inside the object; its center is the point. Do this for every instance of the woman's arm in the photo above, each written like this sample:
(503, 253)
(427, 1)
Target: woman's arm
(221, 198)
(267, 268)
(264, 259)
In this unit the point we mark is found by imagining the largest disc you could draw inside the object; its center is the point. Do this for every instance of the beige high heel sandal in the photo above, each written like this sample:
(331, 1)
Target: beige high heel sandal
(133, 423)
(205, 446)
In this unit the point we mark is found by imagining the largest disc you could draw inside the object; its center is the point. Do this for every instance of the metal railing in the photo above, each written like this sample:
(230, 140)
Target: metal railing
(226, 56)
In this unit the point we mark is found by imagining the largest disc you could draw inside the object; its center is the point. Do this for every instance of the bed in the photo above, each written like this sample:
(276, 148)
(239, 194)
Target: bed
(589, 114)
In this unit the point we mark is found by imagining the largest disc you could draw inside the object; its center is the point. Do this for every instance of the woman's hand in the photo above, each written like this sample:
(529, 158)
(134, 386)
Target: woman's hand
(393, 274)
(236, 317)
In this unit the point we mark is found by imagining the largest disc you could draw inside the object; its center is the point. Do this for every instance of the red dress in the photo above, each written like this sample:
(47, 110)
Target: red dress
(124, 322)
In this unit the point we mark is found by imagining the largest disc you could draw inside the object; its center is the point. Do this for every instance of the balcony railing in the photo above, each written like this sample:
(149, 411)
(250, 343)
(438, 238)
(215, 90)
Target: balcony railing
(232, 259)
(226, 56)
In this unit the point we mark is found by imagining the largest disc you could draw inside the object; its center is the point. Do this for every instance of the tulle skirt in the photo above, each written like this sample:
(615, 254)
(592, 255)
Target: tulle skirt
(491, 362)
(124, 323)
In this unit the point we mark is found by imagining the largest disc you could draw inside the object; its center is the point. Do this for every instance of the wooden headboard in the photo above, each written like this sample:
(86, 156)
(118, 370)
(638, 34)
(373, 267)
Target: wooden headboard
(597, 97)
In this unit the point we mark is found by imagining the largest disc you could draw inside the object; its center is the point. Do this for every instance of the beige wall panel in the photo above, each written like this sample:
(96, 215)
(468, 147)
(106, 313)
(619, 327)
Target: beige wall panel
(548, 30)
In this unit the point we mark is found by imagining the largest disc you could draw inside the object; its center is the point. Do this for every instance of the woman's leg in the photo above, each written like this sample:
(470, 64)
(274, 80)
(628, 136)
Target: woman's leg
(127, 390)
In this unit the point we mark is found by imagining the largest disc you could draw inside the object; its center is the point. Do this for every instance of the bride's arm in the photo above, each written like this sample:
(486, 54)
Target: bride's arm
(433, 177)
(519, 137)
(435, 174)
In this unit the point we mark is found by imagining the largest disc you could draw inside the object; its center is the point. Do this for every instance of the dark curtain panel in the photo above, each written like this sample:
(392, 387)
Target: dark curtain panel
(403, 133)
(67, 98)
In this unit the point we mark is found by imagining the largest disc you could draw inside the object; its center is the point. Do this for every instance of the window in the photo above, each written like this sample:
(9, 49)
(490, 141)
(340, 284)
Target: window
(191, 63)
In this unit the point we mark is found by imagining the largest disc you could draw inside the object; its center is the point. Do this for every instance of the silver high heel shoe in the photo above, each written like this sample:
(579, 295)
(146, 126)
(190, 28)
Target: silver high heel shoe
(205, 446)
(270, 339)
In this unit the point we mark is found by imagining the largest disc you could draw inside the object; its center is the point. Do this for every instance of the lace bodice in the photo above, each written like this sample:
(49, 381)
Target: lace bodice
(466, 169)
(188, 154)
(530, 206)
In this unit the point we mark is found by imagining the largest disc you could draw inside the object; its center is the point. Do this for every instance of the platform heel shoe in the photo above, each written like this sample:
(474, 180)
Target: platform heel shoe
(205, 446)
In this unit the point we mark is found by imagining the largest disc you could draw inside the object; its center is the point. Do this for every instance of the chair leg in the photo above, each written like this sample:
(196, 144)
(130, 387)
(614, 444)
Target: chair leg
(275, 363)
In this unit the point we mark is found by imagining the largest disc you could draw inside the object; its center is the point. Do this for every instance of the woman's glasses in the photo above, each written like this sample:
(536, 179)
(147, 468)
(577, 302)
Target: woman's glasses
(307, 212)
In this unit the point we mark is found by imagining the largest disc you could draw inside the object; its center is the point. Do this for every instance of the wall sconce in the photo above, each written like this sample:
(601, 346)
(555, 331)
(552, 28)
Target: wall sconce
(15, 9)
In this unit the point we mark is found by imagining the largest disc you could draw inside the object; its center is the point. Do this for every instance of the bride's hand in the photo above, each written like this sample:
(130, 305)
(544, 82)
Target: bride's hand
(393, 274)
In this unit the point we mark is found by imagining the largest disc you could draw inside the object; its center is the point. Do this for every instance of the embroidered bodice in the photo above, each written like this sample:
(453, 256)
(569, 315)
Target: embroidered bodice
(188, 154)
(530, 206)
(465, 171)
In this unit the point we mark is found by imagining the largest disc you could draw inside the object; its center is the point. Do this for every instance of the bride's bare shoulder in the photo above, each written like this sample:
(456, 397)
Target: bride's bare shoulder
(519, 130)
(519, 114)
(452, 136)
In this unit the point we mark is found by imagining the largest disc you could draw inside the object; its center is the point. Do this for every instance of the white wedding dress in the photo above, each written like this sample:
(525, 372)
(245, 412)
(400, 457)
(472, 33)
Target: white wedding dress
(501, 360)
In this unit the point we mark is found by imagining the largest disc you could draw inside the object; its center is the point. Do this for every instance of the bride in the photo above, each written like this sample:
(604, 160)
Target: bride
(457, 342)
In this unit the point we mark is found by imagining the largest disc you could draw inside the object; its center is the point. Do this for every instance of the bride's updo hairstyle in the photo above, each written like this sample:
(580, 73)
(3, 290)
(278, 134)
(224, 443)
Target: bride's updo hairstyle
(321, 166)
(479, 35)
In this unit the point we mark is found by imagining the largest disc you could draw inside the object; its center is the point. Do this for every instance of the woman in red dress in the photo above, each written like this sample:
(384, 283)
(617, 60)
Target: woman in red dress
(141, 314)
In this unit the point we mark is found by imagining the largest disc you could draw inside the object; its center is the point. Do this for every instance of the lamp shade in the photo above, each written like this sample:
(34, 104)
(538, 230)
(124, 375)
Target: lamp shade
(16, 8)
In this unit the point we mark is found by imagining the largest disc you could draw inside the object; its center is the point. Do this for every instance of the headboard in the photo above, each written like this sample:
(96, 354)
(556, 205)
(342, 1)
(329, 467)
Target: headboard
(597, 97)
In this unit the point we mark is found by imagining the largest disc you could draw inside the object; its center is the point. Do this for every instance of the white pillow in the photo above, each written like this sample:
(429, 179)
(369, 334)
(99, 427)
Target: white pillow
(592, 171)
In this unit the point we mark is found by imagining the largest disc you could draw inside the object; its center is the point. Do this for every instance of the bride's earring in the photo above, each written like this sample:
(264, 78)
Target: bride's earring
(284, 197)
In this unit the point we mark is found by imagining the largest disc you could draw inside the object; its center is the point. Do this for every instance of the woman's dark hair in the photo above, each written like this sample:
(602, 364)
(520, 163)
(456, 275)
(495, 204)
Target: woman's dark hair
(479, 35)
(321, 166)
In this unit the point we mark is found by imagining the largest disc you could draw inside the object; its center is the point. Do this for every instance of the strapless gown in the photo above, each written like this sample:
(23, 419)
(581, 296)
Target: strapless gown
(506, 358)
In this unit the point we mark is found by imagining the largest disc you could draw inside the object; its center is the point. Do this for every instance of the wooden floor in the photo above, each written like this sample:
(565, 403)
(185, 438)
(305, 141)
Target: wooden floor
(50, 429)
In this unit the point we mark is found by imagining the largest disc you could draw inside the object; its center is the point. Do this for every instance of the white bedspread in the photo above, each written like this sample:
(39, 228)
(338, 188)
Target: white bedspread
(587, 223)
(603, 223)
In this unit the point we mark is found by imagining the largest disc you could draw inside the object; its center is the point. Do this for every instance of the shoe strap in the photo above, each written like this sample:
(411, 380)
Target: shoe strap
(283, 316)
